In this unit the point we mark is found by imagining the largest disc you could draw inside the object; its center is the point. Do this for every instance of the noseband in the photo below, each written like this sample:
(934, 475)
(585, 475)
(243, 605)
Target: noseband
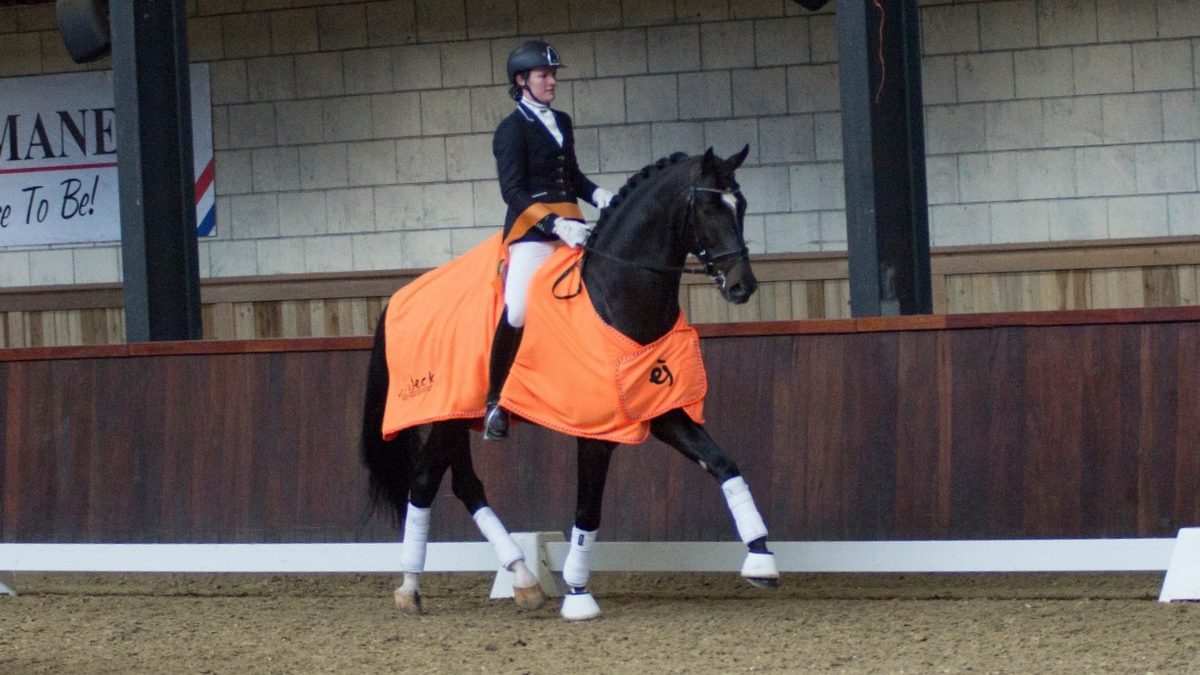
(708, 259)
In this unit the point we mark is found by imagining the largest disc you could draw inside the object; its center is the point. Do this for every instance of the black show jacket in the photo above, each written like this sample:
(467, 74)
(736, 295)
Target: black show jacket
(534, 169)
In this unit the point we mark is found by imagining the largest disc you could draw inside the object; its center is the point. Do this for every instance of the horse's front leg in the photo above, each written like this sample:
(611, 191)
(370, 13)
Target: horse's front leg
(594, 456)
(679, 431)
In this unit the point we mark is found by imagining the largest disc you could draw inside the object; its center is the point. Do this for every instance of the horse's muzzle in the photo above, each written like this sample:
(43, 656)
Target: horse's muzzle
(739, 284)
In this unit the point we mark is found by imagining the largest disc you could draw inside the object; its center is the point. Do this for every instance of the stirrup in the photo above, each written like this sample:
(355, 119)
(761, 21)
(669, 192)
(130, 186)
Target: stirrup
(495, 423)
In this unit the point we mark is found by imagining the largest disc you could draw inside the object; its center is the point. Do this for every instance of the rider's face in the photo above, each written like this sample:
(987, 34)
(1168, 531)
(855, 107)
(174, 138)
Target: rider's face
(541, 83)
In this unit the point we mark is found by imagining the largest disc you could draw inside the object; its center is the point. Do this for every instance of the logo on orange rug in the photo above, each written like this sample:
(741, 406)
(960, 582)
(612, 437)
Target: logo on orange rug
(661, 374)
(417, 386)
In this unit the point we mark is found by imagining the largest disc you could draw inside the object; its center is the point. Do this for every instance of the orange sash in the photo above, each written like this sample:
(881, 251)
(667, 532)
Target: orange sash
(573, 373)
(538, 210)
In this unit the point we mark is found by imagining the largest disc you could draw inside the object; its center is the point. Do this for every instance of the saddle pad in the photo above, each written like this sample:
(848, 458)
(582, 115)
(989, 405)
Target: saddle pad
(573, 373)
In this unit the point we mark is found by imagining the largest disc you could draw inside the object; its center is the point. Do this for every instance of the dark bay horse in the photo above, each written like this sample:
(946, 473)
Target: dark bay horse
(632, 267)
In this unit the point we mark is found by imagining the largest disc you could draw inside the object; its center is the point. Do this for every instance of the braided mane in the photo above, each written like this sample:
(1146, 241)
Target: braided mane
(635, 181)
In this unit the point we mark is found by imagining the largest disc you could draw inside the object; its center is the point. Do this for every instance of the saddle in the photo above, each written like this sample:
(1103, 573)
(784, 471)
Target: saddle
(573, 373)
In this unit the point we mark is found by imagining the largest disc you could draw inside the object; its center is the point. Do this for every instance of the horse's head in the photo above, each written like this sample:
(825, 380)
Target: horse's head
(716, 212)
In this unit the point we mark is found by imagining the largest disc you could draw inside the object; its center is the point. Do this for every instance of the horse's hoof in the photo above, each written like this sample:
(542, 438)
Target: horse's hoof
(760, 569)
(579, 607)
(530, 597)
(408, 602)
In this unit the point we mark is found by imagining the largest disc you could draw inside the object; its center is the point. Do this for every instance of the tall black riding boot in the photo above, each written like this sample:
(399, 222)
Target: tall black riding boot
(504, 350)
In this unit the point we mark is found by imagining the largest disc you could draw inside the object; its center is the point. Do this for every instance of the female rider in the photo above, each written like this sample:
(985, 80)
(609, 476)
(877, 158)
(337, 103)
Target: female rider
(541, 182)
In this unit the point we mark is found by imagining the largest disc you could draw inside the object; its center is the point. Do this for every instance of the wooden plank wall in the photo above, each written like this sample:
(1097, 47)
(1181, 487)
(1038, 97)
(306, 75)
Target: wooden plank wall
(1074, 424)
(1105, 275)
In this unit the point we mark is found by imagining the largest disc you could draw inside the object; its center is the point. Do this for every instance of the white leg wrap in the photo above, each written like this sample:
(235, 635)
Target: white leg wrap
(750, 525)
(412, 583)
(416, 534)
(497, 535)
(578, 565)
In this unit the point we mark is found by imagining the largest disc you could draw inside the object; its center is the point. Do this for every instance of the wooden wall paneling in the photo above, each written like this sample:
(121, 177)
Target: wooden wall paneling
(938, 289)
(814, 300)
(33, 329)
(30, 497)
(1109, 461)
(999, 430)
(298, 317)
(1187, 459)
(775, 301)
(268, 320)
(274, 447)
(316, 318)
(960, 298)
(1112, 288)
(375, 308)
(1189, 285)
(705, 308)
(1162, 286)
(117, 479)
(837, 299)
(234, 452)
(986, 419)
(1073, 287)
(920, 373)
(1054, 393)
(824, 398)
(1159, 413)
(71, 423)
(869, 416)
(221, 327)
(783, 415)
(244, 321)
(324, 448)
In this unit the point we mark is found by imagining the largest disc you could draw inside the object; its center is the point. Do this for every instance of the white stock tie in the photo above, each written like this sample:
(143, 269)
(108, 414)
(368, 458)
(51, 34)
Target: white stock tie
(546, 117)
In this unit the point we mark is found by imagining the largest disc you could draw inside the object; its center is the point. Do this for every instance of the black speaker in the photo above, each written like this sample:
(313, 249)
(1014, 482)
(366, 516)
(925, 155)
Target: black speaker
(812, 5)
(83, 25)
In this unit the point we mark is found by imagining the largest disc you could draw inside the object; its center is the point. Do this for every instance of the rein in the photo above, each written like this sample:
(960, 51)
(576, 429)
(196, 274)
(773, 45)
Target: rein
(709, 260)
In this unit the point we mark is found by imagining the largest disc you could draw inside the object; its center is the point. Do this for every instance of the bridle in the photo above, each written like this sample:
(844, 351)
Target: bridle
(707, 258)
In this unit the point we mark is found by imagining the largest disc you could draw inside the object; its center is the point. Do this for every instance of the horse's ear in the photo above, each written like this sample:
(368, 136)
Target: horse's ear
(734, 162)
(708, 163)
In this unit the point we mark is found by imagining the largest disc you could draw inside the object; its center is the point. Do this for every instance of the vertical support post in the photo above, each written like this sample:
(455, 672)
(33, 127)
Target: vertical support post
(883, 141)
(154, 166)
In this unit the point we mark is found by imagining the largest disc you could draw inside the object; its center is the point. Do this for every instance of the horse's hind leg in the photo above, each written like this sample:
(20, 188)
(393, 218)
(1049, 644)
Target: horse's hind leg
(680, 432)
(594, 456)
(431, 464)
(527, 592)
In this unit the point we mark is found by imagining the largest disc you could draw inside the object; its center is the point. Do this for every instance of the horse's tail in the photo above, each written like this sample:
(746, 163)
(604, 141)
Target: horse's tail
(388, 463)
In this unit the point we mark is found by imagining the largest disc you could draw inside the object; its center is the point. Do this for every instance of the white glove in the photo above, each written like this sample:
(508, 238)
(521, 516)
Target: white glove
(572, 232)
(601, 198)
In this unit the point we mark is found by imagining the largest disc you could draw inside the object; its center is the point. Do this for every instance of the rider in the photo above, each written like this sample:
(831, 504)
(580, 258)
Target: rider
(540, 181)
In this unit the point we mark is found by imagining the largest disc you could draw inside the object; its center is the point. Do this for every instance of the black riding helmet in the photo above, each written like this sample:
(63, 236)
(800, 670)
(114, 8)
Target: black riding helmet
(532, 54)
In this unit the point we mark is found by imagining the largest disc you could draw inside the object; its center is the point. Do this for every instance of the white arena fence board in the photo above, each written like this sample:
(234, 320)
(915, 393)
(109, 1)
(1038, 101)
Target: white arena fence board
(1018, 555)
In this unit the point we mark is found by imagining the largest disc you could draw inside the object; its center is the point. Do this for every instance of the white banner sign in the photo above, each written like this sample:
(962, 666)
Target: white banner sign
(58, 159)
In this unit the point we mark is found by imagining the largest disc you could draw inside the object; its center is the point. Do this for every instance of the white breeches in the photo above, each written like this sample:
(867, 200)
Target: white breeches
(524, 259)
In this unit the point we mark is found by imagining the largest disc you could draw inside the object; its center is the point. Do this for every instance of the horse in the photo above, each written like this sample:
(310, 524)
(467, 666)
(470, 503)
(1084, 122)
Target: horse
(632, 266)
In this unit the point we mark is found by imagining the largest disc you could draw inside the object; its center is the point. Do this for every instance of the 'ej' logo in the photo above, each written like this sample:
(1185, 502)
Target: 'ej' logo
(661, 374)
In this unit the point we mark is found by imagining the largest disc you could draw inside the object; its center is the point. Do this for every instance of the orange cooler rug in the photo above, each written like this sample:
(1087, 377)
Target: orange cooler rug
(573, 373)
